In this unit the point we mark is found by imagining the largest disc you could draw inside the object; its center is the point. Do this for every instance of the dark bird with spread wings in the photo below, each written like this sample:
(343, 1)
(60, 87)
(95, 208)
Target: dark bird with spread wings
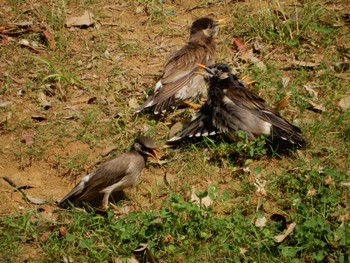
(114, 175)
(232, 107)
(179, 81)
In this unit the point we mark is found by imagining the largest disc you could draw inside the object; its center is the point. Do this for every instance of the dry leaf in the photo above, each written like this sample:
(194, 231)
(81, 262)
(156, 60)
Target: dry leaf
(305, 64)
(311, 91)
(261, 222)
(27, 139)
(35, 200)
(283, 103)
(285, 82)
(108, 150)
(345, 183)
(43, 101)
(246, 53)
(177, 127)
(49, 37)
(85, 20)
(318, 108)
(133, 103)
(311, 192)
(289, 230)
(327, 180)
(257, 62)
(344, 103)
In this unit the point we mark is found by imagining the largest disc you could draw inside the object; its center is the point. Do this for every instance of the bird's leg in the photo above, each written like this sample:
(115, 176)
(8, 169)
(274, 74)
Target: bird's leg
(105, 201)
(190, 104)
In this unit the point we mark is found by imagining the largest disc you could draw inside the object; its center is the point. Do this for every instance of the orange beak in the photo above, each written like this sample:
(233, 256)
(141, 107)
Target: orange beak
(154, 155)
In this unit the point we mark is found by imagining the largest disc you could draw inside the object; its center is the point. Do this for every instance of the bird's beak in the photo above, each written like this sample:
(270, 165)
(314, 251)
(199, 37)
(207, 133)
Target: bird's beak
(154, 155)
(206, 69)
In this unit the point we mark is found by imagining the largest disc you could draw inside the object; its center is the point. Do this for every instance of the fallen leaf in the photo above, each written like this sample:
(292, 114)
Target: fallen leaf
(27, 139)
(282, 237)
(6, 104)
(45, 236)
(177, 127)
(245, 52)
(311, 192)
(49, 38)
(345, 183)
(35, 200)
(311, 91)
(327, 180)
(285, 81)
(83, 21)
(260, 222)
(257, 62)
(62, 231)
(305, 64)
(108, 150)
(133, 103)
(43, 101)
(318, 108)
(344, 103)
(283, 103)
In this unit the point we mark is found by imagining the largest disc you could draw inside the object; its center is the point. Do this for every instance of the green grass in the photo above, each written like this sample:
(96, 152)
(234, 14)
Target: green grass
(92, 74)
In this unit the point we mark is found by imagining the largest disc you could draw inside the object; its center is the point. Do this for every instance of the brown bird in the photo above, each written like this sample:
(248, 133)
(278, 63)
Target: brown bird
(114, 175)
(179, 81)
(232, 107)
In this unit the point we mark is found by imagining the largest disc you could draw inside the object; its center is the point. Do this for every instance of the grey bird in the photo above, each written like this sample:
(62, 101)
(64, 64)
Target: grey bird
(114, 175)
(179, 81)
(231, 107)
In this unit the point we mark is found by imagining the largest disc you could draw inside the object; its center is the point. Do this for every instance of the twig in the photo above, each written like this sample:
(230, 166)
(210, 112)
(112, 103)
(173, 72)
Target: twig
(12, 183)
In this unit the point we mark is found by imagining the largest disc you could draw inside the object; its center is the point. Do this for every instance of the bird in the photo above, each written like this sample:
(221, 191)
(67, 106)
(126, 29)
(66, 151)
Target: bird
(114, 175)
(231, 107)
(179, 81)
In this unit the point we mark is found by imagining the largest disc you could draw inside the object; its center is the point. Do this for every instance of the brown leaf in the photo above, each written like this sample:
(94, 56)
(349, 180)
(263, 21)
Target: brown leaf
(344, 103)
(257, 62)
(27, 139)
(318, 108)
(305, 64)
(133, 103)
(177, 127)
(283, 103)
(108, 150)
(43, 101)
(311, 91)
(327, 180)
(83, 21)
(282, 237)
(50, 38)
(260, 222)
(35, 200)
(62, 231)
(246, 53)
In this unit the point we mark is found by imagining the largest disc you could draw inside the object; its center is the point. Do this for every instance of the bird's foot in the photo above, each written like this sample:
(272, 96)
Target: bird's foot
(246, 81)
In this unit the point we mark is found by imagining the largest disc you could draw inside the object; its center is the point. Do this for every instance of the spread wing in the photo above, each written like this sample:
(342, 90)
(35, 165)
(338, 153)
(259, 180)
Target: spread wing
(248, 112)
(179, 73)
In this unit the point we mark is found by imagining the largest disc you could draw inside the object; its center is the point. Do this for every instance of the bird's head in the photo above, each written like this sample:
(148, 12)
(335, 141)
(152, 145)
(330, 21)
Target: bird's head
(206, 26)
(146, 147)
(219, 71)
